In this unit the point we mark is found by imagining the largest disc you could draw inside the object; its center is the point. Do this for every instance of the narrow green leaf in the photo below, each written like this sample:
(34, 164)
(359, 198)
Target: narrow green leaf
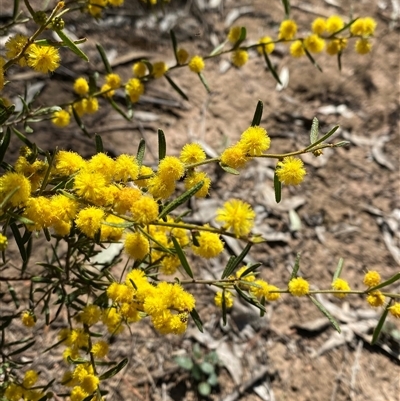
(204, 82)
(314, 130)
(311, 58)
(341, 144)
(258, 114)
(6, 321)
(104, 58)
(5, 112)
(4, 143)
(271, 67)
(180, 200)
(228, 268)
(322, 139)
(71, 45)
(115, 106)
(277, 188)
(237, 260)
(79, 121)
(248, 299)
(338, 270)
(23, 138)
(162, 145)
(296, 266)
(228, 169)
(141, 151)
(219, 48)
(115, 370)
(286, 5)
(22, 349)
(182, 257)
(197, 320)
(13, 294)
(15, 10)
(176, 87)
(99, 143)
(250, 269)
(15, 216)
(391, 280)
(174, 45)
(321, 307)
(242, 37)
(223, 307)
(18, 240)
(339, 61)
(379, 326)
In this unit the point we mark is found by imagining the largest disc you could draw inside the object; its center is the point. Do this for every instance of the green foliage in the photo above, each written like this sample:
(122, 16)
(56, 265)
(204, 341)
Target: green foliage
(203, 369)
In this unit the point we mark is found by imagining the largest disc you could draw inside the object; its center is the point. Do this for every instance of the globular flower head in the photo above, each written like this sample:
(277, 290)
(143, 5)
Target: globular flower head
(395, 310)
(144, 210)
(139, 69)
(196, 64)
(14, 45)
(124, 198)
(81, 86)
(67, 163)
(102, 164)
(30, 378)
(90, 186)
(3, 242)
(28, 318)
(100, 349)
(334, 23)
(267, 45)
(314, 43)
(182, 56)
(375, 299)
(363, 27)
(287, 30)
(219, 299)
(134, 88)
(194, 178)
(136, 245)
(290, 171)
(170, 168)
(160, 188)
(89, 220)
(113, 80)
(95, 7)
(340, 285)
(169, 264)
(363, 46)
(372, 278)
(43, 58)
(61, 118)
(91, 105)
(159, 69)
(237, 216)
(209, 245)
(255, 141)
(297, 49)
(298, 287)
(239, 57)
(90, 315)
(336, 46)
(235, 156)
(126, 167)
(17, 184)
(192, 153)
(318, 26)
(234, 34)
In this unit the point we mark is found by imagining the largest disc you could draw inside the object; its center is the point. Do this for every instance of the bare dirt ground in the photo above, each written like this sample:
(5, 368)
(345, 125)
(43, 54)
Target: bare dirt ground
(348, 206)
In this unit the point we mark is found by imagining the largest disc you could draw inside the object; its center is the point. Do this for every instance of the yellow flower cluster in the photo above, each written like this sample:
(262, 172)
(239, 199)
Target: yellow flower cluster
(254, 141)
(25, 391)
(168, 305)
